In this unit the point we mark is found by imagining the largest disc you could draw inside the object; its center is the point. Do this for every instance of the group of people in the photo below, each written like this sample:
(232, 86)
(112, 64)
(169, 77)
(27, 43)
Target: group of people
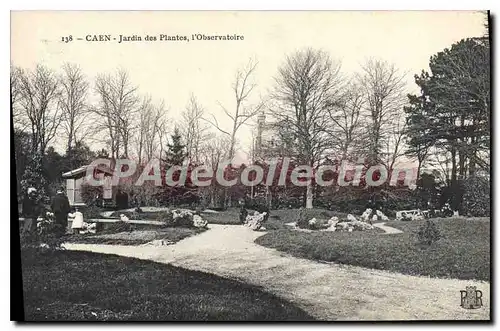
(32, 208)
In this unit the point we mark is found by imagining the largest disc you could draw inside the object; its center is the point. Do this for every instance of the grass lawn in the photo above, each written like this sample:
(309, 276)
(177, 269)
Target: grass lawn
(71, 286)
(463, 253)
(135, 237)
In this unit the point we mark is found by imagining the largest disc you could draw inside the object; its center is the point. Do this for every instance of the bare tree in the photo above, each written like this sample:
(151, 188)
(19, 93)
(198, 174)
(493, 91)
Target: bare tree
(158, 114)
(118, 105)
(396, 139)
(306, 86)
(213, 155)
(193, 128)
(347, 133)
(72, 100)
(150, 120)
(15, 91)
(383, 86)
(162, 136)
(243, 111)
(145, 111)
(39, 111)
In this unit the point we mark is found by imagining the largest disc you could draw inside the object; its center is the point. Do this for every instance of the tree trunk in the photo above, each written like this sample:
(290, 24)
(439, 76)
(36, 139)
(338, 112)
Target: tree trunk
(269, 197)
(309, 195)
(419, 167)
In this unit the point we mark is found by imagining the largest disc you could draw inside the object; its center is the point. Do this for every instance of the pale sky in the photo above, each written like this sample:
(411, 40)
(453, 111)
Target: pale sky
(173, 70)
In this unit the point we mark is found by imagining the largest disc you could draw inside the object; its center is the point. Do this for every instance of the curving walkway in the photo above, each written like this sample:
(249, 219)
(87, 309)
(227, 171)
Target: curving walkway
(387, 229)
(326, 291)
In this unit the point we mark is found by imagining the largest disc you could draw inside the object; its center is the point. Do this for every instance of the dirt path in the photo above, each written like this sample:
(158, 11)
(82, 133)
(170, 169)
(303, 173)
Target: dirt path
(326, 291)
(387, 229)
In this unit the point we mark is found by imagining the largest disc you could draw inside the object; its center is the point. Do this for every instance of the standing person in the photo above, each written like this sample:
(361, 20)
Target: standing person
(30, 209)
(60, 207)
(77, 224)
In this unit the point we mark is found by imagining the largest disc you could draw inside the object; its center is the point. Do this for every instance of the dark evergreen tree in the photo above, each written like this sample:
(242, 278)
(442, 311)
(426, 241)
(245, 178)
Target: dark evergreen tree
(79, 155)
(175, 156)
(176, 153)
(54, 165)
(102, 154)
(452, 112)
(22, 150)
(34, 177)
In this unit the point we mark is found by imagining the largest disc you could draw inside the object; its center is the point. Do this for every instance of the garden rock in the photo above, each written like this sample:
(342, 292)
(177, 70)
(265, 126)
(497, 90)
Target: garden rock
(255, 221)
(199, 222)
(382, 216)
(350, 226)
(366, 215)
(318, 224)
(351, 218)
(333, 221)
(88, 228)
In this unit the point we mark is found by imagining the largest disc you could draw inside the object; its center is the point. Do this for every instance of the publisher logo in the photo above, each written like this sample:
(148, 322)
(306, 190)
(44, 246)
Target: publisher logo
(471, 298)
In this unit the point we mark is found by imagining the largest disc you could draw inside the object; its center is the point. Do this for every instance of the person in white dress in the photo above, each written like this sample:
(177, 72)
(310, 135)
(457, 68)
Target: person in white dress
(77, 224)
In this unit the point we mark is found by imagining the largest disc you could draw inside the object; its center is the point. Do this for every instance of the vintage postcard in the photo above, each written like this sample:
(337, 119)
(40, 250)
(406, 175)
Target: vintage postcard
(251, 165)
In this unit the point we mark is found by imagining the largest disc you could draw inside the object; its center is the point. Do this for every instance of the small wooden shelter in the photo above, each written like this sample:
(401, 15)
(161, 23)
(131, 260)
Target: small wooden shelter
(77, 177)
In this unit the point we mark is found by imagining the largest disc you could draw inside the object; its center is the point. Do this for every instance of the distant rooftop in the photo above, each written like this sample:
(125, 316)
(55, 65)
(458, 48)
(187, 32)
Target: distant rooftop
(83, 169)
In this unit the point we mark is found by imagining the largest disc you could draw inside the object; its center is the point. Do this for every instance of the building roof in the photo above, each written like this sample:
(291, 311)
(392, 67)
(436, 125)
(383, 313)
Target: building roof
(83, 169)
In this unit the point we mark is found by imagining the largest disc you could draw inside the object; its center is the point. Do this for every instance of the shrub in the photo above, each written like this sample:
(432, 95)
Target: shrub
(302, 220)
(476, 199)
(91, 212)
(406, 218)
(183, 218)
(428, 233)
(243, 215)
(44, 234)
(166, 217)
(390, 213)
(198, 210)
(119, 226)
(325, 214)
(89, 193)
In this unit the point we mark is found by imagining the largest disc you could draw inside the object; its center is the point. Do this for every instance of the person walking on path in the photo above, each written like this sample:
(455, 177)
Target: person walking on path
(61, 208)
